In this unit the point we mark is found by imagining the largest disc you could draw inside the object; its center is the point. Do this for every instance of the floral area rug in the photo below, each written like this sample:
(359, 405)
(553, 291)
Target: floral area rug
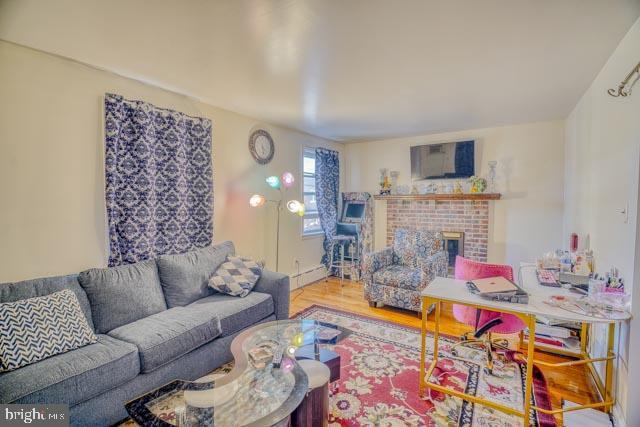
(379, 379)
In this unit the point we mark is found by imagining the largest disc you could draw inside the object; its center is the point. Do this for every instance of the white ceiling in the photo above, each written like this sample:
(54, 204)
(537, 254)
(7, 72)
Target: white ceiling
(344, 69)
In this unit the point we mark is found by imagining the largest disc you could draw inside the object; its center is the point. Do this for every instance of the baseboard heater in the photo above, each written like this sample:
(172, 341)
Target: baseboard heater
(309, 275)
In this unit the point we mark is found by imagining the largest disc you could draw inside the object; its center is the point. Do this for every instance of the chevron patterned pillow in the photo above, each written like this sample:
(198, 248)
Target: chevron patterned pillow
(236, 276)
(36, 328)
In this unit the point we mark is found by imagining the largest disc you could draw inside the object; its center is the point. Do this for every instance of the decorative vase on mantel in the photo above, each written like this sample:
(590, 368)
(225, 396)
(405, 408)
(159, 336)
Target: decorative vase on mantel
(492, 176)
(394, 181)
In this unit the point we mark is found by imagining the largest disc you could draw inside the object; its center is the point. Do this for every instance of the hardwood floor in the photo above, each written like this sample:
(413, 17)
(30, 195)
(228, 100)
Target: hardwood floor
(572, 383)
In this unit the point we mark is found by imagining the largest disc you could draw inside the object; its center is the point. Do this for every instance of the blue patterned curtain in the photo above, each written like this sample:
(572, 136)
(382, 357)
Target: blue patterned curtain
(159, 181)
(327, 190)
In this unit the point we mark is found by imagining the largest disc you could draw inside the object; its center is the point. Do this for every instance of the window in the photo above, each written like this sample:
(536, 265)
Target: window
(310, 221)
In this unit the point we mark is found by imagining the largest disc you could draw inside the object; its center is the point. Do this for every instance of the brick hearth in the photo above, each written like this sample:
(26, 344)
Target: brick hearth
(468, 216)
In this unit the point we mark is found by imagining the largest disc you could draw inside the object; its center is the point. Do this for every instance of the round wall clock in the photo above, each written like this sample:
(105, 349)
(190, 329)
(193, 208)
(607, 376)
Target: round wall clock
(261, 146)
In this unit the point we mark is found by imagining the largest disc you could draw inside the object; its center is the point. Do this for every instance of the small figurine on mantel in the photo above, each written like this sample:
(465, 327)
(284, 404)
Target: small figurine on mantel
(458, 188)
(385, 184)
(478, 185)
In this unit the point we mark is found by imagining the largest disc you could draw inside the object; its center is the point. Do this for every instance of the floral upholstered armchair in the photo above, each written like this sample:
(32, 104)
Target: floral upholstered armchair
(396, 275)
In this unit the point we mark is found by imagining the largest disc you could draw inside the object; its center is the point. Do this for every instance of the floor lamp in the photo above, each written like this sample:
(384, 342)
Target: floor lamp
(293, 206)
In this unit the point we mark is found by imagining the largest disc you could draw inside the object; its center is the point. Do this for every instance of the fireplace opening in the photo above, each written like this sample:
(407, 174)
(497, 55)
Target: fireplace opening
(454, 245)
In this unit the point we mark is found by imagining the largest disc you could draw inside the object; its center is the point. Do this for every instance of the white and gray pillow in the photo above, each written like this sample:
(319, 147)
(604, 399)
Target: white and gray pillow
(33, 329)
(236, 276)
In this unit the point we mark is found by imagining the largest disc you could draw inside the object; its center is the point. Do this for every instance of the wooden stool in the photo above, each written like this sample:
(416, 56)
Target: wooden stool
(314, 408)
(322, 354)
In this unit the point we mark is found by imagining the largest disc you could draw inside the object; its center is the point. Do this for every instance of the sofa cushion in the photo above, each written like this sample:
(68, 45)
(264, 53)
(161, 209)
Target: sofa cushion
(237, 313)
(185, 277)
(165, 336)
(399, 276)
(236, 276)
(33, 329)
(123, 294)
(72, 377)
(47, 285)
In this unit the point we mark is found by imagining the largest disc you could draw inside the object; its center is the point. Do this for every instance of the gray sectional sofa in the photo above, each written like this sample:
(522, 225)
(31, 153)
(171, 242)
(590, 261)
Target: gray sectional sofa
(156, 321)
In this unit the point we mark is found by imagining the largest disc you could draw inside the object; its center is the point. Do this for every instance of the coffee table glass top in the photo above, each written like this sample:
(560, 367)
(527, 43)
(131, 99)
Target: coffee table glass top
(256, 392)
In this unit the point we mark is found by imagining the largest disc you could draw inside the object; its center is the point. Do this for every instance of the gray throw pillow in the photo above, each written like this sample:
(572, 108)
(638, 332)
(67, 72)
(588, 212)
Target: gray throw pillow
(236, 277)
(123, 294)
(184, 277)
(33, 329)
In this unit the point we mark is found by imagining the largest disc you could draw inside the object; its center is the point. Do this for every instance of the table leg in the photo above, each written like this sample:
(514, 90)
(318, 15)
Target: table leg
(424, 376)
(531, 323)
(584, 334)
(423, 349)
(436, 335)
(436, 332)
(520, 340)
(608, 379)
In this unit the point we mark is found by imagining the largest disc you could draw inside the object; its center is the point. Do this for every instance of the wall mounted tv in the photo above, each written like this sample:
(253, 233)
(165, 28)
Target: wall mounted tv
(443, 161)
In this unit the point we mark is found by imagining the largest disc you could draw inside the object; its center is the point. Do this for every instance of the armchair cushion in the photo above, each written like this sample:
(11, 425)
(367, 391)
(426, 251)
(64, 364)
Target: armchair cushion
(399, 276)
(409, 246)
(375, 261)
(436, 265)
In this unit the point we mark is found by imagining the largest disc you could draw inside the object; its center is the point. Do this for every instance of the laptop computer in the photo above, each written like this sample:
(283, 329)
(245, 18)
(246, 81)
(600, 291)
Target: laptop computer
(498, 289)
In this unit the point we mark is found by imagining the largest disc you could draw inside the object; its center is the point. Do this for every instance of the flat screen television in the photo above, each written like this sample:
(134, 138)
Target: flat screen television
(443, 161)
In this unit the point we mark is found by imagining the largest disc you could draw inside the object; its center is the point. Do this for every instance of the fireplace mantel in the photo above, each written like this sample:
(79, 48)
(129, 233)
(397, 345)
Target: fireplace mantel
(451, 196)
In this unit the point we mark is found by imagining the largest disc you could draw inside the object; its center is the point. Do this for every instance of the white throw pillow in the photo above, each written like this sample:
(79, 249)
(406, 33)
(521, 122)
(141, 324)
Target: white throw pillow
(33, 329)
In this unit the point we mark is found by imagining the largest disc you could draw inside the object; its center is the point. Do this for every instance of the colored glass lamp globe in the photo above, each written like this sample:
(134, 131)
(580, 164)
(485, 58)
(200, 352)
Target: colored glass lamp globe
(257, 200)
(274, 182)
(295, 206)
(287, 179)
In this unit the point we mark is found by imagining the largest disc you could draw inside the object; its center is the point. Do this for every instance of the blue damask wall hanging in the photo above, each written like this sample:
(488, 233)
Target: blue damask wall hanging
(327, 190)
(159, 180)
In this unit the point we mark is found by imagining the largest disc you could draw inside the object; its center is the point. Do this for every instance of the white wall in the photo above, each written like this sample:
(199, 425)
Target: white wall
(526, 222)
(52, 210)
(601, 180)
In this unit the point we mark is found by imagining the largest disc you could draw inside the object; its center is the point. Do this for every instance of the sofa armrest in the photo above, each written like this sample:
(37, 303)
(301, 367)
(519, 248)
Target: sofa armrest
(276, 285)
(436, 265)
(374, 261)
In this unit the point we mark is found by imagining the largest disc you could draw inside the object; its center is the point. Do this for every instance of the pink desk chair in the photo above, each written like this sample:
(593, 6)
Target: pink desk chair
(484, 322)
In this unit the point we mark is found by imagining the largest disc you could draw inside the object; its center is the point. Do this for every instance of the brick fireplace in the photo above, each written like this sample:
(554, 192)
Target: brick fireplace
(470, 217)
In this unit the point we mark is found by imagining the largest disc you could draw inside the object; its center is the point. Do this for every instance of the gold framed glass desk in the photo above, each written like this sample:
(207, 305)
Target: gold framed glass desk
(455, 292)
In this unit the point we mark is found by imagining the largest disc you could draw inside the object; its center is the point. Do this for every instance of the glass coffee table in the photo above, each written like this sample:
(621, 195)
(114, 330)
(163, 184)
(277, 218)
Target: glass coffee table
(260, 390)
